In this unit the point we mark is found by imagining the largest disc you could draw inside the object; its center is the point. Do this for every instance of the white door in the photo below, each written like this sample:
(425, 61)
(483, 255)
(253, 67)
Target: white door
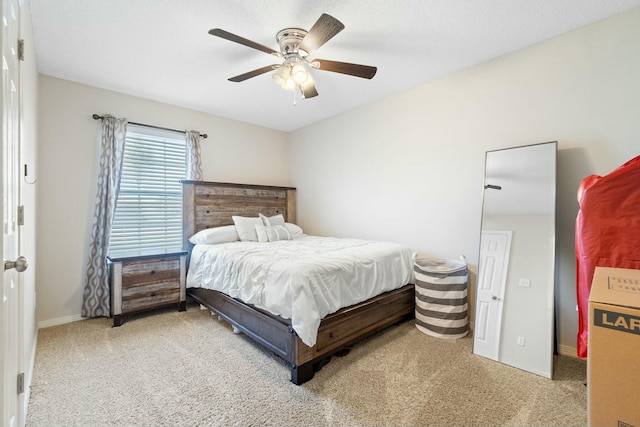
(11, 315)
(492, 276)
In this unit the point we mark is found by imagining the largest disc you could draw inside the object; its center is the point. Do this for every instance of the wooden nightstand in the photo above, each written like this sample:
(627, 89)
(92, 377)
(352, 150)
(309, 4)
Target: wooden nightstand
(147, 282)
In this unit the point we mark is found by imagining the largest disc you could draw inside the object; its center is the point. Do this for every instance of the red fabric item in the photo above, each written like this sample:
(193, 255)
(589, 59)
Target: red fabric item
(607, 232)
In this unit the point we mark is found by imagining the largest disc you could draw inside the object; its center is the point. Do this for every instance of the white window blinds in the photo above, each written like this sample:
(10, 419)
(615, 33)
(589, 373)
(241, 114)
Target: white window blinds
(148, 217)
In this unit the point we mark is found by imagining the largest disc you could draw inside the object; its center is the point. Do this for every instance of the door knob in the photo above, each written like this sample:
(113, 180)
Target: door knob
(495, 298)
(20, 264)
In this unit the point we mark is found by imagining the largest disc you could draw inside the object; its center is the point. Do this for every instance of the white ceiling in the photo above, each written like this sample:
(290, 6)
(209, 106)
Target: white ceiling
(161, 49)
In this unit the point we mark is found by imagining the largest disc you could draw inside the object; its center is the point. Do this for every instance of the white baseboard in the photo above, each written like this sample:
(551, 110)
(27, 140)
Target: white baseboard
(60, 321)
(567, 350)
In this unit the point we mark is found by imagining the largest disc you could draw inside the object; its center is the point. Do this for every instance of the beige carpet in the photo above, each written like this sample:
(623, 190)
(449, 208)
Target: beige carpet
(189, 369)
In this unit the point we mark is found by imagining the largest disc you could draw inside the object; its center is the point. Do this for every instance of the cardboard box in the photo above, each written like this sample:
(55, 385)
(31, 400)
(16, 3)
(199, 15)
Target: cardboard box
(613, 364)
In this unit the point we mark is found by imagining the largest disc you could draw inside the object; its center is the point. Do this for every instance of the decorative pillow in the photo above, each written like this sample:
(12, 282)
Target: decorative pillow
(261, 231)
(272, 234)
(214, 235)
(294, 230)
(245, 226)
(272, 220)
(278, 232)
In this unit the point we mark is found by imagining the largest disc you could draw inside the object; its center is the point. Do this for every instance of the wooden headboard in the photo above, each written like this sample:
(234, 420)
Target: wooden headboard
(212, 204)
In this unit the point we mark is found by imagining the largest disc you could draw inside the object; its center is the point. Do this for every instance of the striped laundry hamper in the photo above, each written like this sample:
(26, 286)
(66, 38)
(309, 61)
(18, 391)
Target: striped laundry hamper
(441, 297)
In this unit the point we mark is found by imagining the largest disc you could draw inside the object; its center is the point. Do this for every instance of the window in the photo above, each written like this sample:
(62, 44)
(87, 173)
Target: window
(148, 216)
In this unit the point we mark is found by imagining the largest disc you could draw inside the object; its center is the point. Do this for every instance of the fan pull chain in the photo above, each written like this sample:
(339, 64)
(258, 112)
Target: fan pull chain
(294, 96)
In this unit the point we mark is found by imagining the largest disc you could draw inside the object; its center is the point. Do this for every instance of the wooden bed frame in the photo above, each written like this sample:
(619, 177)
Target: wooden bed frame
(211, 204)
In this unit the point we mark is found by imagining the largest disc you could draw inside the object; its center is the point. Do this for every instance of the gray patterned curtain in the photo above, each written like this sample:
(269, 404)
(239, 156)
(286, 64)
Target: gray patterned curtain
(96, 296)
(194, 163)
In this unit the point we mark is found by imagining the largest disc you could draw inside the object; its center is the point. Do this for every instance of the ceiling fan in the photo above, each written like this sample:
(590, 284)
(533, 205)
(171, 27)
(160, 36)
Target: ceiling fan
(296, 46)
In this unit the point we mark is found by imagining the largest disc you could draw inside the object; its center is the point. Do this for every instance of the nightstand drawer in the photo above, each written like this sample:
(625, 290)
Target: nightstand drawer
(145, 283)
(139, 297)
(136, 273)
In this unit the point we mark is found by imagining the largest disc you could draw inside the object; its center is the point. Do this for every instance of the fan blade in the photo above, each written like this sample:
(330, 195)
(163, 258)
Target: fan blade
(234, 38)
(364, 71)
(246, 76)
(322, 31)
(309, 90)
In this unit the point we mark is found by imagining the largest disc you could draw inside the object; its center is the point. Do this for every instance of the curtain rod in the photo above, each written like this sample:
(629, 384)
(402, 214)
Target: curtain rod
(99, 117)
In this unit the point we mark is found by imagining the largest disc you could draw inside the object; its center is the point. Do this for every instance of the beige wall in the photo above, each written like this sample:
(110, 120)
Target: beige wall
(68, 152)
(409, 168)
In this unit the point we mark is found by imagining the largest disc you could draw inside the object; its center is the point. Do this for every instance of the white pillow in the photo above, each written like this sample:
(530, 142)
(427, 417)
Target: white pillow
(294, 230)
(209, 236)
(245, 226)
(278, 232)
(272, 220)
(272, 234)
(261, 232)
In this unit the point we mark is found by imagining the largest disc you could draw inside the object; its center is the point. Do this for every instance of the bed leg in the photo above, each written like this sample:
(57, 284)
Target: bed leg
(302, 373)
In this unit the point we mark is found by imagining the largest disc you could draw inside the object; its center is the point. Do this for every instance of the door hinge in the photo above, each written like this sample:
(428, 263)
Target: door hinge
(21, 215)
(21, 382)
(21, 49)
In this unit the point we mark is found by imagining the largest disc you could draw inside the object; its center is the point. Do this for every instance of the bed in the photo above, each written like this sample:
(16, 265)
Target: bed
(210, 204)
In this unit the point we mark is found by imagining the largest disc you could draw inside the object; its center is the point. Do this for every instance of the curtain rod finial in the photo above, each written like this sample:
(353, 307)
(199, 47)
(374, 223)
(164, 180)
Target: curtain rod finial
(96, 117)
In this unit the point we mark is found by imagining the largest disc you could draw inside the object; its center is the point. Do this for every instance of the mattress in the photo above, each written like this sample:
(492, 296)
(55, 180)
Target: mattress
(303, 279)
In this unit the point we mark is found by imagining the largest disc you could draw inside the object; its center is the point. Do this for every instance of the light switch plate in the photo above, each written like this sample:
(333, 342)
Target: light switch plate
(525, 283)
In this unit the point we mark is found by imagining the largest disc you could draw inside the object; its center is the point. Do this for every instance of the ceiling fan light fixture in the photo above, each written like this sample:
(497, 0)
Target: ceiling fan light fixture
(285, 83)
(282, 76)
(299, 73)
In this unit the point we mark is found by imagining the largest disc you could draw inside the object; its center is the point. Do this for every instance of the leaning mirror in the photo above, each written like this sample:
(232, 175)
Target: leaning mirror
(514, 311)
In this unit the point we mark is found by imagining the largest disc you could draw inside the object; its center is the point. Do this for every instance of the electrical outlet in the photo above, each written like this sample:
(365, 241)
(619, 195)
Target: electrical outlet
(525, 283)
(521, 341)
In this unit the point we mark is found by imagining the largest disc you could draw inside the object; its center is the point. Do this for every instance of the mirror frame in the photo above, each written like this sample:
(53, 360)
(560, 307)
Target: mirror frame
(508, 319)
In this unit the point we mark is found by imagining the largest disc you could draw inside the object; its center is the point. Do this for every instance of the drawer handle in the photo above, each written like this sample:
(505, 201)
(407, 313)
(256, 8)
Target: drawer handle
(153, 272)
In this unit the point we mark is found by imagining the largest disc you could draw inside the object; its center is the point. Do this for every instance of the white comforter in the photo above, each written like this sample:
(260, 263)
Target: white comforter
(303, 279)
